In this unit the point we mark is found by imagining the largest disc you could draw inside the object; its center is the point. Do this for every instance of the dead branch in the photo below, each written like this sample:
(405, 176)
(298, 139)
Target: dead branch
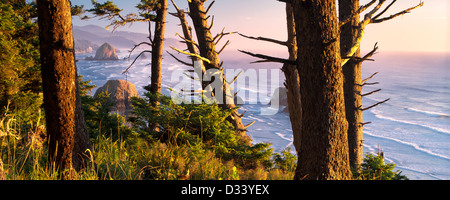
(191, 54)
(269, 58)
(212, 23)
(370, 54)
(182, 62)
(359, 59)
(363, 124)
(360, 10)
(364, 84)
(242, 115)
(376, 20)
(136, 46)
(187, 41)
(209, 7)
(370, 93)
(387, 8)
(361, 29)
(265, 39)
(370, 18)
(248, 125)
(235, 78)
(140, 54)
(224, 46)
(372, 106)
(220, 35)
(191, 77)
(370, 77)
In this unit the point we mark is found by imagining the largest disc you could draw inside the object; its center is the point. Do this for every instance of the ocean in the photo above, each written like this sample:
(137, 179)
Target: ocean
(412, 129)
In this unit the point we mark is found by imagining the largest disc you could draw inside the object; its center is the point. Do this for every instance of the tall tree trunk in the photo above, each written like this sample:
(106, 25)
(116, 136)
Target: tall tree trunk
(58, 77)
(207, 50)
(80, 158)
(157, 54)
(323, 151)
(293, 80)
(352, 82)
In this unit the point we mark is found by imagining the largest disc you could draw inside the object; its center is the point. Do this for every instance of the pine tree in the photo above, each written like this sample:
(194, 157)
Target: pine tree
(149, 11)
(58, 77)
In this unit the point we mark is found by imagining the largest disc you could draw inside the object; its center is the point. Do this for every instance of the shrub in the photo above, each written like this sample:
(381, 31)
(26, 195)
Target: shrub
(374, 168)
(197, 125)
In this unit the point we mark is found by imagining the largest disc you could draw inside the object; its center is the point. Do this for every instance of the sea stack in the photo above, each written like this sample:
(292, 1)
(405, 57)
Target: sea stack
(106, 52)
(120, 93)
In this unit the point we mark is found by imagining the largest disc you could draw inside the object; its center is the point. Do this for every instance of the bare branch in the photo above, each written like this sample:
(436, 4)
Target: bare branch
(191, 54)
(242, 115)
(209, 7)
(364, 84)
(225, 45)
(269, 58)
(370, 93)
(359, 11)
(220, 35)
(377, 104)
(146, 51)
(182, 62)
(136, 46)
(363, 124)
(235, 78)
(359, 59)
(248, 125)
(212, 23)
(361, 29)
(175, 5)
(187, 40)
(370, 77)
(387, 8)
(265, 39)
(193, 78)
(396, 15)
(370, 54)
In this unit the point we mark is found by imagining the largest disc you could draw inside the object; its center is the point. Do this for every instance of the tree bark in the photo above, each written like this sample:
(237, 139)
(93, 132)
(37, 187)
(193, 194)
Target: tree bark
(352, 82)
(207, 49)
(324, 148)
(293, 80)
(58, 77)
(157, 55)
(80, 158)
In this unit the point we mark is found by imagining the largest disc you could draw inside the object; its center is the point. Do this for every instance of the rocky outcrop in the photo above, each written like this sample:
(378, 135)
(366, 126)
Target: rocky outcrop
(280, 95)
(120, 93)
(105, 52)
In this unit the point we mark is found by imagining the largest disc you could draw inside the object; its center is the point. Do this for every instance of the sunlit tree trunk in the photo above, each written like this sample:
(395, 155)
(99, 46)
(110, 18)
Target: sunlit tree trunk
(157, 54)
(323, 151)
(58, 77)
(293, 80)
(352, 82)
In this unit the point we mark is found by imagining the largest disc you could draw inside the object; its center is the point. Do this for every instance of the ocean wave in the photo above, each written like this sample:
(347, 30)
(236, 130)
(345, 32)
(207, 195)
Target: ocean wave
(284, 137)
(438, 129)
(431, 113)
(414, 145)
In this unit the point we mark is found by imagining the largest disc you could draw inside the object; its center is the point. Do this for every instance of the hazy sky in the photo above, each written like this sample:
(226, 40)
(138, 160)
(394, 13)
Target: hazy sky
(424, 29)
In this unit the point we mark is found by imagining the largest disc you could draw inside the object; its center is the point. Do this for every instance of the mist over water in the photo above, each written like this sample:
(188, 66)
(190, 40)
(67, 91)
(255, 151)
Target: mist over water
(412, 129)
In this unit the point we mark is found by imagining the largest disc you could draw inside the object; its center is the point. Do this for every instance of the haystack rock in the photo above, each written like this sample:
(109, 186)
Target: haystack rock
(120, 93)
(280, 95)
(106, 52)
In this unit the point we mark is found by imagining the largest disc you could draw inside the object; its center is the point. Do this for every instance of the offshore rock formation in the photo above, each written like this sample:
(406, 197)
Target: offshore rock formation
(120, 93)
(105, 52)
